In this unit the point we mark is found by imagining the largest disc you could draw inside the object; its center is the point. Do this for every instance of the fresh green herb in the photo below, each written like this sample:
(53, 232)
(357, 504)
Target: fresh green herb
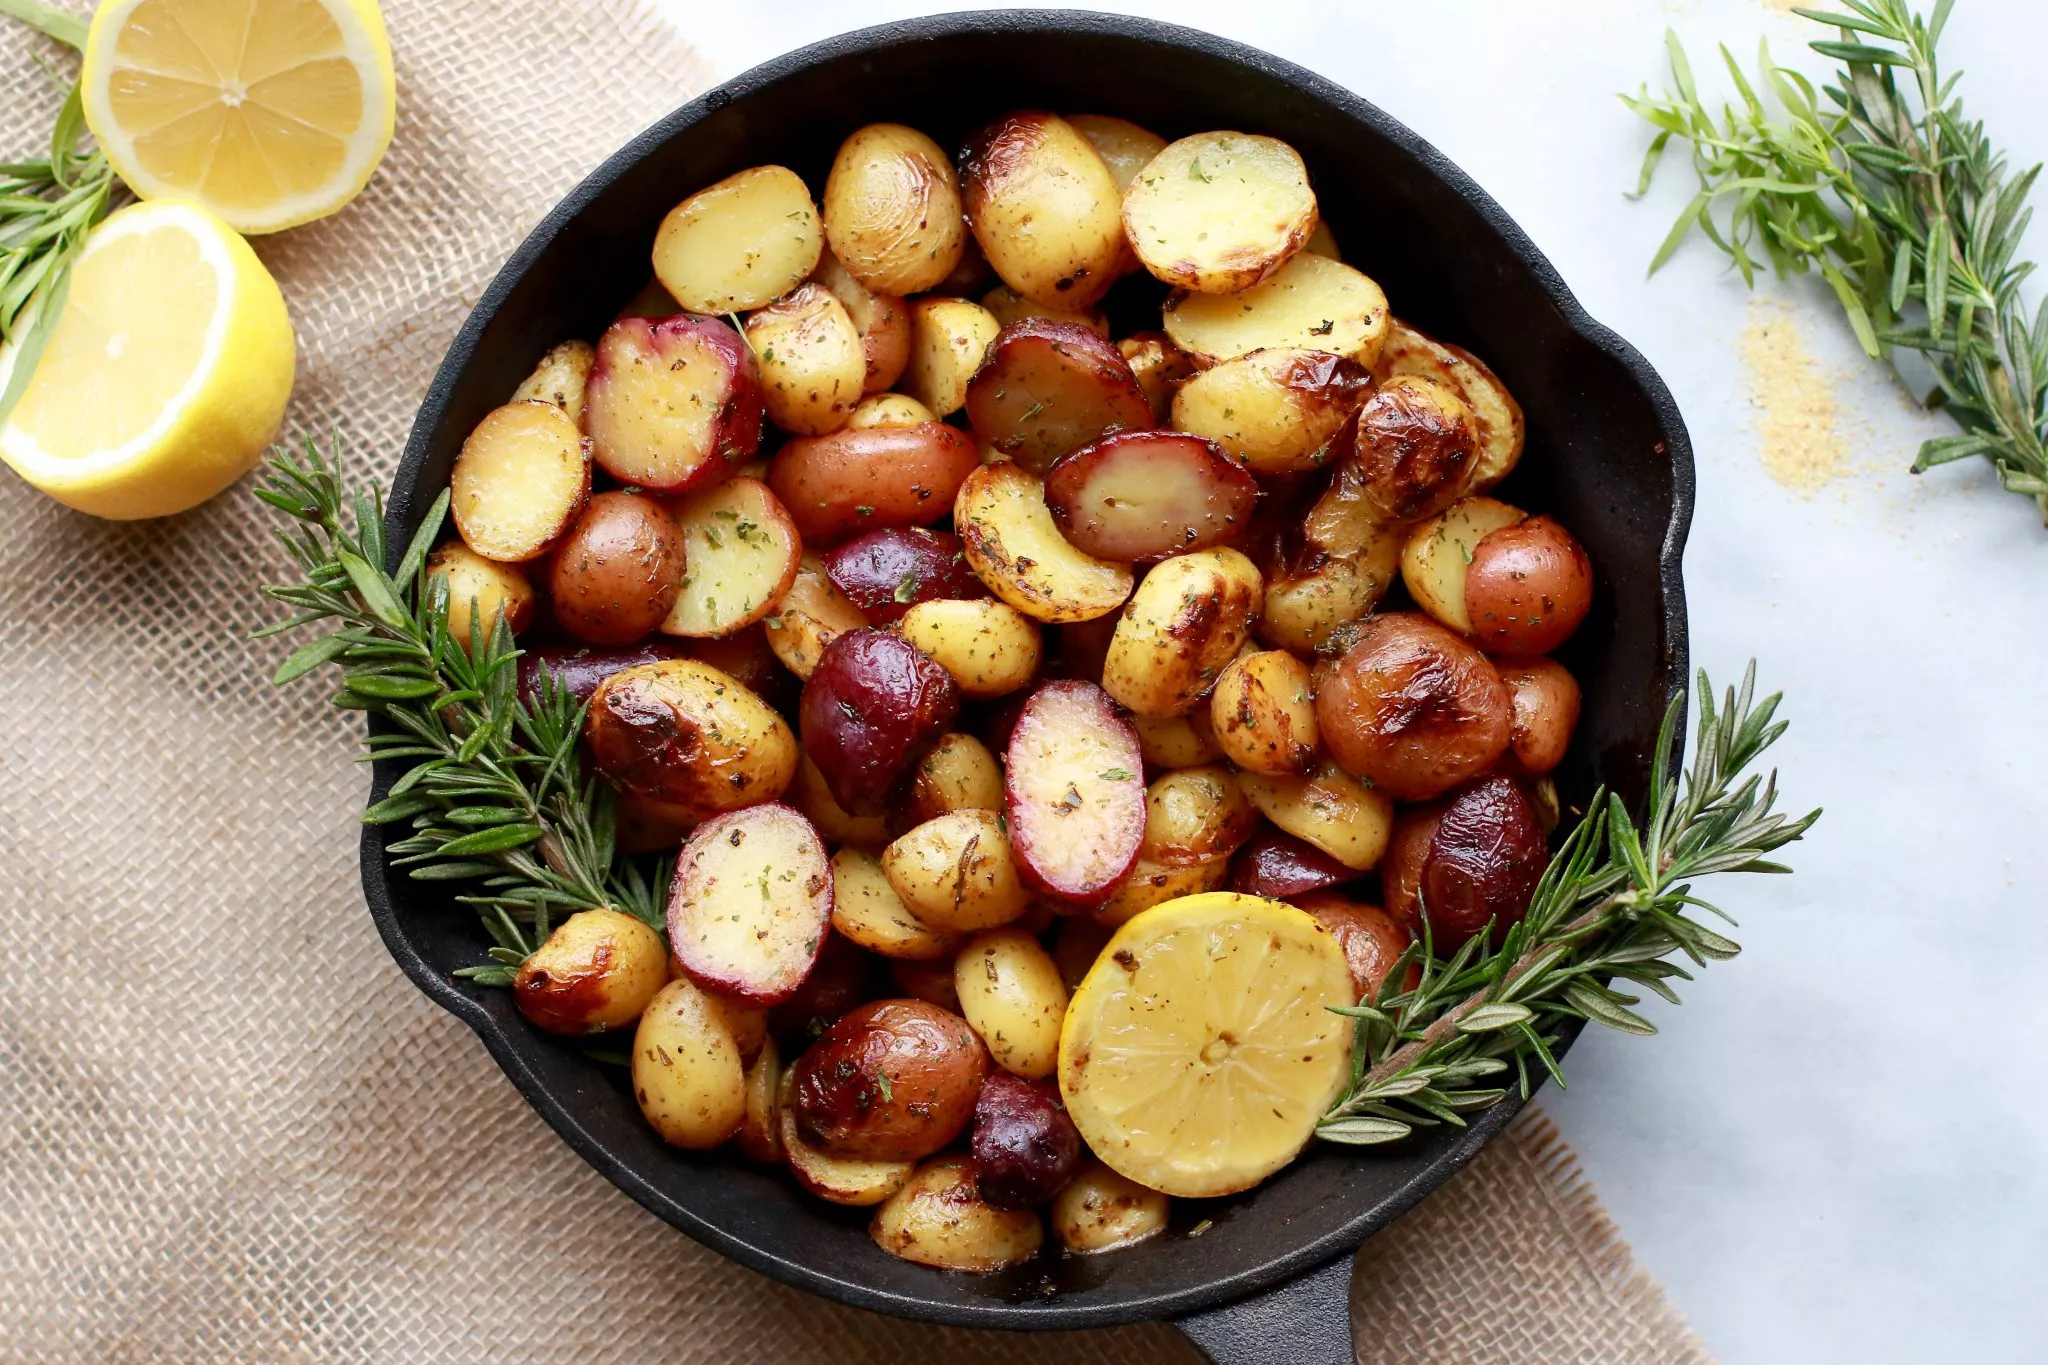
(906, 590)
(1195, 172)
(496, 795)
(888, 1090)
(1114, 775)
(1612, 906)
(1898, 201)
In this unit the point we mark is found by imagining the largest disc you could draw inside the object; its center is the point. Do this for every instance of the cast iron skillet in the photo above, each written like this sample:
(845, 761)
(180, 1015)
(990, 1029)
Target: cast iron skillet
(1267, 1277)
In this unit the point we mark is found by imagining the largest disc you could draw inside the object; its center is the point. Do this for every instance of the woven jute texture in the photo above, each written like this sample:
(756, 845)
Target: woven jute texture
(229, 1128)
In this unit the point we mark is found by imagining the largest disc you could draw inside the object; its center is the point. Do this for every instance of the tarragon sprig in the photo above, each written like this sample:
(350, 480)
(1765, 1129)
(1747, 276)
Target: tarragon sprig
(1614, 905)
(495, 794)
(1879, 183)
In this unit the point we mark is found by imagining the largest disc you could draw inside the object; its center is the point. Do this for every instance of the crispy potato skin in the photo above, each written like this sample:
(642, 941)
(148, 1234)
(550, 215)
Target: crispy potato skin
(989, 647)
(618, 572)
(1101, 1211)
(1330, 809)
(835, 1179)
(597, 971)
(1187, 620)
(1544, 699)
(892, 210)
(938, 1219)
(1195, 815)
(1528, 587)
(682, 732)
(1499, 417)
(1276, 410)
(813, 366)
(1263, 713)
(870, 710)
(1413, 448)
(1044, 208)
(1411, 707)
(1473, 856)
(840, 485)
(1160, 368)
(893, 1080)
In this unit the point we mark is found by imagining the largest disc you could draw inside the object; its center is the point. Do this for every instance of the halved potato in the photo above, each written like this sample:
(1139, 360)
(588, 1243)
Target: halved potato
(810, 794)
(739, 244)
(1159, 366)
(1187, 620)
(892, 210)
(810, 614)
(672, 404)
(760, 1134)
(1219, 212)
(989, 647)
(1126, 149)
(1438, 552)
(813, 368)
(948, 338)
(1329, 808)
(682, 732)
(742, 557)
(519, 481)
(883, 321)
(1499, 416)
(1409, 457)
(1145, 494)
(1323, 242)
(1277, 410)
(957, 872)
(750, 904)
(1177, 741)
(1048, 387)
(1006, 305)
(559, 378)
(1196, 815)
(1044, 208)
(1304, 606)
(834, 1179)
(1310, 302)
(938, 1219)
(867, 910)
(889, 410)
(1264, 714)
(479, 590)
(1153, 884)
(1074, 791)
(1013, 546)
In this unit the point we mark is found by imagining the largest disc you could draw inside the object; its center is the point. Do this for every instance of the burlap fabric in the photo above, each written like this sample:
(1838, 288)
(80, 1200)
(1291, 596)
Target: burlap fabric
(229, 1128)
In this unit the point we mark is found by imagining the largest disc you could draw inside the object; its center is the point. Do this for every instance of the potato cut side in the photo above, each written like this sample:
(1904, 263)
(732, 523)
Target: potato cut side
(742, 557)
(883, 321)
(559, 378)
(1049, 387)
(672, 404)
(1438, 552)
(1409, 351)
(1153, 884)
(1311, 302)
(480, 590)
(1123, 146)
(519, 481)
(810, 615)
(867, 910)
(1323, 242)
(813, 368)
(1013, 545)
(835, 1179)
(741, 243)
(1074, 790)
(1145, 494)
(1218, 212)
(750, 904)
(948, 338)
(1330, 808)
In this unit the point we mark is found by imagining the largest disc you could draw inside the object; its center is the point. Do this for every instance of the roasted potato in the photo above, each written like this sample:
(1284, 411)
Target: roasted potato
(1100, 1210)
(1329, 809)
(889, 410)
(1437, 553)
(1177, 741)
(479, 590)
(989, 647)
(1159, 366)
(835, 1179)
(742, 556)
(843, 977)
(1472, 858)
(931, 982)
(1025, 1148)
(1014, 546)
(1411, 707)
(809, 794)
(740, 243)
(559, 378)
(1324, 243)
(948, 338)
(1218, 212)
(1151, 884)
(681, 731)
(687, 1073)
(882, 320)
(1494, 409)
(578, 669)
(1280, 866)
(1310, 302)
(1074, 791)
(1412, 450)
(1528, 587)
(519, 482)
(619, 571)
(892, 210)
(840, 485)
(1147, 494)
(1543, 698)
(750, 904)
(813, 366)
(1047, 387)
(1126, 149)
(1263, 714)
(1195, 815)
(1044, 208)
(893, 1080)
(886, 572)
(938, 1219)
(808, 617)
(1011, 992)
(1371, 940)
(1308, 602)
(674, 404)
(597, 971)
(957, 872)
(760, 1134)
(869, 913)
(1006, 306)
(958, 774)
(872, 707)
(1278, 411)
(1187, 620)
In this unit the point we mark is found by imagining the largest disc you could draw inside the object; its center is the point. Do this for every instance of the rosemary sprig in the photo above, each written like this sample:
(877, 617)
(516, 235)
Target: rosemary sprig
(46, 209)
(496, 794)
(1898, 201)
(1612, 906)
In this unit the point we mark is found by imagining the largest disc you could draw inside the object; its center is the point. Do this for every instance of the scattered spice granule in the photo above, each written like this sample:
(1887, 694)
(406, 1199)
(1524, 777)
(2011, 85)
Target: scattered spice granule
(1794, 401)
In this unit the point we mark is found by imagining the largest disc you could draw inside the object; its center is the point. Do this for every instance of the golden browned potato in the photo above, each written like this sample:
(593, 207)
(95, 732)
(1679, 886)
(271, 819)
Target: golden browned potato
(892, 210)
(1151, 884)
(809, 793)
(519, 482)
(1099, 1210)
(760, 1135)
(1544, 698)
(835, 1179)
(1044, 208)
(891, 1080)
(931, 982)
(1277, 410)
(1195, 815)
(1409, 459)
(597, 970)
(1438, 552)
(1176, 741)
(957, 872)
(989, 647)
(1411, 708)
(1498, 415)
(1330, 809)
(1371, 940)
(651, 302)
(1010, 991)
(813, 367)
(1185, 622)
(883, 321)
(1310, 302)
(559, 378)
(1263, 714)
(479, 589)
(1006, 306)
(889, 410)
(683, 732)
(1126, 149)
(687, 1073)
(739, 244)
(619, 571)
(948, 338)
(809, 616)
(1307, 603)
(1014, 547)
(1219, 212)
(938, 1219)
(1159, 366)
(868, 911)
(743, 555)
(958, 774)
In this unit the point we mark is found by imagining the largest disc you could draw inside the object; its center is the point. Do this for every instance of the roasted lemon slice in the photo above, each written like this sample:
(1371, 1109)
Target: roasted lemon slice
(270, 113)
(1199, 1051)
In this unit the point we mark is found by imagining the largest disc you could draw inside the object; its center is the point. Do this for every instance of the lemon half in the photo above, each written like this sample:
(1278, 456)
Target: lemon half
(166, 375)
(270, 113)
(1199, 1051)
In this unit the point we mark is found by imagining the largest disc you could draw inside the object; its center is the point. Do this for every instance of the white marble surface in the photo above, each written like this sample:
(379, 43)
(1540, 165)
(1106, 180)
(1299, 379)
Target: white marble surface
(1837, 1150)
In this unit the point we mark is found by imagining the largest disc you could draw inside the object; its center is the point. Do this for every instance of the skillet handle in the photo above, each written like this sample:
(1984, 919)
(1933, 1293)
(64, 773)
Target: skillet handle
(1303, 1322)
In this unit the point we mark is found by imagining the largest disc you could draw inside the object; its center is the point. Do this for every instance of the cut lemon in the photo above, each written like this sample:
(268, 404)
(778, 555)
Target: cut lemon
(167, 372)
(270, 113)
(1199, 1051)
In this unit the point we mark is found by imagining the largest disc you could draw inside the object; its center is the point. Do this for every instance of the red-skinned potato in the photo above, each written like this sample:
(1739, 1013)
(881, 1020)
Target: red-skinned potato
(735, 245)
(1074, 791)
(1474, 856)
(580, 668)
(597, 971)
(750, 904)
(1499, 416)
(743, 552)
(619, 571)
(1187, 620)
(843, 977)
(687, 1072)
(519, 481)
(1408, 457)
(1047, 387)
(672, 404)
(1544, 699)
(881, 320)
(1528, 587)
(1195, 815)
(851, 481)
(1438, 552)
(809, 617)
(893, 1080)
(1275, 410)
(1044, 208)
(834, 1179)
(1015, 547)
(948, 338)
(480, 590)
(1371, 940)
(1159, 366)
(1263, 713)
(1279, 866)
(892, 210)
(1025, 1148)
(931, 982)
(682, 732)
(1219, 212)
(1411, 707)
(869, 712)
(1146, 494)
(888, 571)
(813, 366)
